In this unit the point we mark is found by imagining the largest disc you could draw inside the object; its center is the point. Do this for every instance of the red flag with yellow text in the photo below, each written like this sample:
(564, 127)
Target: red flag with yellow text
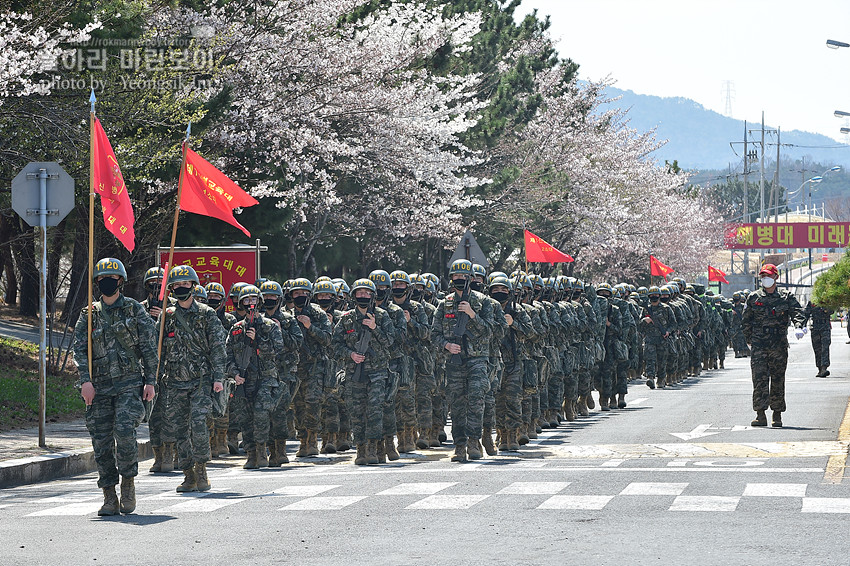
(209, 192)
(539, 251)
(715, 274)
(659, 269)
(109, 184)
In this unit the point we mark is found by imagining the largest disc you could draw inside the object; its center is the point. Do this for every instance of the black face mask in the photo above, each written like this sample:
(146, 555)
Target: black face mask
(181, 293)
(537, 293)
(665, 299)
(476, 285)
(269, 304)
(325, 303)
(109, 286)
(654, 299)
(153, 290)
(381, 294)
(428, 296)
(399, 292)
(250, 309)
(459, 284)
(363, 302)
(287, 297)
(214, 303)
(501, 296)
(576, 295)
(301, 301)
(416, 295)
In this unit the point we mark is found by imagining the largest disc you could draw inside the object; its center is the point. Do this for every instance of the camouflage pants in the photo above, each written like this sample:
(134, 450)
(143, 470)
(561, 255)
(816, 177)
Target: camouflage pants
(438, 400)
(405, 408)
(509, 397)
(112, 420)
(188, 410)
(466, 385)
(739, 343)
(160, 429)
(655, 355)
(821, 340)
(585, 382)
(620, 386)
(541, 399)
(389, 421)
(768, 368)
(308, 398)
(607, 370)
(279, 425)
(424, 388)
(366, 403)
(721, 349)
(556, 392)
(490, 395)
(571, 380)
(333, 412)
(257, 417)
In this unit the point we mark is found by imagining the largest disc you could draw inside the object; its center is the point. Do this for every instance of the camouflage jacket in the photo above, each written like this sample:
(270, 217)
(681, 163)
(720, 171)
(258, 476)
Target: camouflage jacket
(512, 345)
(193, 346)
(317, 338)
(293, 339)
(347, 332)
(122, 334)
(257, 358)
(767, 316)
(818, 315)
(476, 340)
(657, 321)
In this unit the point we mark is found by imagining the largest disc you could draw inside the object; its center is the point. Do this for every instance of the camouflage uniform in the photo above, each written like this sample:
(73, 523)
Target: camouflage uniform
(287, 367)
(417, 360)
(509, 394)
(159, 431)
(122, 334)
(334, 414)
(311, 372)
(194, 358)
(765, 327)
(425, 383)
(657, 321)
(821, 333)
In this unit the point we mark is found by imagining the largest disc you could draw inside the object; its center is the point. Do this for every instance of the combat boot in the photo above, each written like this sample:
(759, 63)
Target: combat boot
(381, 451)
(176, 461)
(280, 448)
(389, 448)
(460, 453)
(233, 443)
(612, 402)
(157, 460)
(621, 401)
(422, 442)
(569, 410)
(262, 456)
(372, 452)
(342, 442)
(473, 449)
(251, 462)
(487, 442)
(582, 407)
(329, 443)
(761, 419)
(589, 401)
(190, 482)
(412, 442)
(360, 459)
(221, 440)
(650, 383)
(513, 442)
(603, 403)
(312, 443)
(434, 439)
(201, 479)
(661, 382)
(441, 433)
(128, 494)
(503, 439)
(110, 503)
(402, 441)
(721, 364)
(168, 456)
(303, 449)
(777, 419)
(522, 436)
(538, 428)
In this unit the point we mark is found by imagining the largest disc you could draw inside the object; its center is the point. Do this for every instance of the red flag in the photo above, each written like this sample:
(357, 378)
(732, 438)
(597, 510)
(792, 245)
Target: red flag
(539, 251)
(208, 191)
(715, 274)
(657, 268)
(109, 184)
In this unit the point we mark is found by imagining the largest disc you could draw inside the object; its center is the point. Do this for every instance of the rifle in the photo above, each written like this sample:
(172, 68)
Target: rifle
(362, 346)
(460, 327)
(246, 362)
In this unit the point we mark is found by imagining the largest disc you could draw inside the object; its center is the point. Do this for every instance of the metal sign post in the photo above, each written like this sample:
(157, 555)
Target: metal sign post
(30, 200)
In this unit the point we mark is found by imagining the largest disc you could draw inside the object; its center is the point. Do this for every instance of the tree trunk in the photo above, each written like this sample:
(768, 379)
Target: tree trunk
(54, 254)
(77, 295)
(24, 250)
(7, 264)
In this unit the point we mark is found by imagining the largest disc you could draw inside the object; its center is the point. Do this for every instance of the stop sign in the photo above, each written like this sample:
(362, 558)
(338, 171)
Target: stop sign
(825, 258)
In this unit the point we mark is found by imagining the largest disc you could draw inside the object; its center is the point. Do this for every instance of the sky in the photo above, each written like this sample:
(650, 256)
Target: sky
(774, 53)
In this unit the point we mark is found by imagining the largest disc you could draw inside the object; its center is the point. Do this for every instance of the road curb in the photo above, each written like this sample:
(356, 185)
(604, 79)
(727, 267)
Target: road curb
(24, 471)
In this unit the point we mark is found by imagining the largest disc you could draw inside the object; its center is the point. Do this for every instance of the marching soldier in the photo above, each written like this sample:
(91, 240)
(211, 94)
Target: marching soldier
(657, 325)
(821, 334)
(218, 444)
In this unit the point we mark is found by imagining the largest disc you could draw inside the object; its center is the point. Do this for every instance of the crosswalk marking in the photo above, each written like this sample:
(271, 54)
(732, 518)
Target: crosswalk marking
(417, 488)
(447, 502)
(199, 505)
(637, 488)
(302, 490)
(71, 509)
(704, 503)
(775, 490)
(825, 505)
(533, 488)
(578, 502)
(323, 503)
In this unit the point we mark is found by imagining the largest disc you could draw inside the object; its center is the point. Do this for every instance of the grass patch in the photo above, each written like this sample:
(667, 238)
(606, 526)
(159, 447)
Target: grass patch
(19, 388)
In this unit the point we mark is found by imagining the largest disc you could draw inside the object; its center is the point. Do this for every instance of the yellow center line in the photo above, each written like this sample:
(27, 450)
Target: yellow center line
(837, 463)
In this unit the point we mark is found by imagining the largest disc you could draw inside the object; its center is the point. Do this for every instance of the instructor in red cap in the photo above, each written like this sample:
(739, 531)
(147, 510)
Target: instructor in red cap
(765, 325)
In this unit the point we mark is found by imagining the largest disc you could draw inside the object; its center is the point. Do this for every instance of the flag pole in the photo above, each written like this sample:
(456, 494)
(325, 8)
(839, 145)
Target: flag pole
(524, 249)
(185, 147)
(92, 100)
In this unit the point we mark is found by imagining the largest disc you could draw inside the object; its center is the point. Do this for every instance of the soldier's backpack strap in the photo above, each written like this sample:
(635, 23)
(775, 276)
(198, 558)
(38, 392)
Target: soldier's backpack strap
(107, 318)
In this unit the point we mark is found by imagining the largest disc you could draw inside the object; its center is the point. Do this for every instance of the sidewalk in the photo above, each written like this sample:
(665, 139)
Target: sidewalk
(68, 452)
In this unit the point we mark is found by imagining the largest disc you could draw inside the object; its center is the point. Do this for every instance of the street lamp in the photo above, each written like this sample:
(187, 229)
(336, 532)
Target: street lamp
(845, 130)
(841, 114)
(833, 44)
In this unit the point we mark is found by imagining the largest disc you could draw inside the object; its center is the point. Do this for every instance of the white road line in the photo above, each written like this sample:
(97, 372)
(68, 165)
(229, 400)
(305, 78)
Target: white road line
(704, 503)
(447, 502)
(825, 505)
(637, 401)
(302, 490)
(417, 488)
(586, 502)
(199, 505)
(72, 509)
(775, 490)
(323, 503)
(174, 495)
(638, 488)
(612, 463)
(533, 488)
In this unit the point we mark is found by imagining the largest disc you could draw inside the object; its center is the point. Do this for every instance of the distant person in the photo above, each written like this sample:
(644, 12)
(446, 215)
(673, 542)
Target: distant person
(765, 327)
(821, 334)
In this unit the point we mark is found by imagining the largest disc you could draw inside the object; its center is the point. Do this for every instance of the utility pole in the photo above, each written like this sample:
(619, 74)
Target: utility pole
(746, 197)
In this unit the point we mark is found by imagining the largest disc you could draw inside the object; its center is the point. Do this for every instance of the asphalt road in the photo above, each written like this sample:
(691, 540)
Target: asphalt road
(677, 477)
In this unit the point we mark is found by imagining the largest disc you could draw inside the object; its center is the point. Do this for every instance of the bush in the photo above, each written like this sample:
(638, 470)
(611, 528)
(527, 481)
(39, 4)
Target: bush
(832, 288)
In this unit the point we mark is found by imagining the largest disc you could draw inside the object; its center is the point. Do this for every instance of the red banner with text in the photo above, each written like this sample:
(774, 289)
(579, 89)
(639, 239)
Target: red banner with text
(218, 265)
(786, 235)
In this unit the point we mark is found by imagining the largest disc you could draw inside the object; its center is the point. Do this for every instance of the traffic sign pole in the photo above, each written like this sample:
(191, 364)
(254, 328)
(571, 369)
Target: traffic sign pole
(42, 285)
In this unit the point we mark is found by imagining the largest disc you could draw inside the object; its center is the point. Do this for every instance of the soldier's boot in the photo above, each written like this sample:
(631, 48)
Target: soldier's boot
(473, 449)
(589, 401)
(262, 456)
(110, 503)
(603, 403)
(372, 452)
(538, 425)
(175, 463)
(545, 419)
(621, 401)
(201, 478)
(513, 439)
(251, 462)
(190, 482)
(422, 442)
(503, 440)
(650, 383)
(582, 407)
(277, 453)
(522, 436)
(360, 459)
(612, 402)
(441, 433)
(312, 443)
(460, 453)
(661, 382)
(302, 450)
(324, 448)
(382, 452)
(532, 430)
(157, 460)
(413, 439)
(721, 364)
(434, 440)
(329, 443)
(128, 494)
(761, 419)
(218, 446)
(169, 454)
(777, 419)
(569, 410)
(389, 448)
(342, 442)
(233, 443)
(402, 441)
(487, 441)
